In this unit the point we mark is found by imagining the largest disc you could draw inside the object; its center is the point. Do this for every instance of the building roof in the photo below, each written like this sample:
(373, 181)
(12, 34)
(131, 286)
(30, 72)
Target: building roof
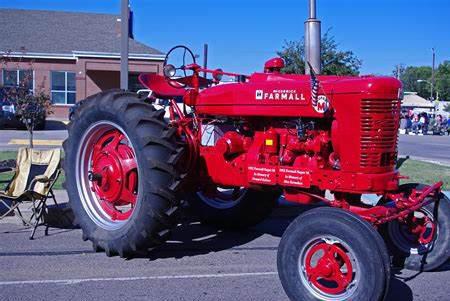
(411, 99)
(65, 34)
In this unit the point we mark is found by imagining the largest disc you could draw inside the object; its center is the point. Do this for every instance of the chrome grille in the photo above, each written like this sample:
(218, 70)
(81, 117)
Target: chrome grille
(379, 133)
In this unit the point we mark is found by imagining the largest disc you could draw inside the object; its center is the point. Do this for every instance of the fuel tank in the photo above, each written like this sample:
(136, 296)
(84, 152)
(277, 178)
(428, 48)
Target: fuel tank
(280, 95)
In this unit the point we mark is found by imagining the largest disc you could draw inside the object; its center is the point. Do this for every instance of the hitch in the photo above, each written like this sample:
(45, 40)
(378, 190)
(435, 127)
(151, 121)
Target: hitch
(401, 205)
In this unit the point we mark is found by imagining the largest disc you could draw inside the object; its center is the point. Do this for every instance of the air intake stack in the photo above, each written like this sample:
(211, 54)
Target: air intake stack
(312, 40)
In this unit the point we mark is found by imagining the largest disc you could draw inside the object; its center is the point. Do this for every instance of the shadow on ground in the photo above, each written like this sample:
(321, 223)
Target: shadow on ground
(191, 238)
(399, 290)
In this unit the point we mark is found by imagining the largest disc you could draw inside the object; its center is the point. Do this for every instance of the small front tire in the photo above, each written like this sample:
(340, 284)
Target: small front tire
(404, 246)
(331, 254)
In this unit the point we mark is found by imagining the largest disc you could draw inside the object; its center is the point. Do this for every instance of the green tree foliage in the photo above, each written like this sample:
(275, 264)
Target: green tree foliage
(411, 74)
(31, 106)
(334, 61)
(442, 80)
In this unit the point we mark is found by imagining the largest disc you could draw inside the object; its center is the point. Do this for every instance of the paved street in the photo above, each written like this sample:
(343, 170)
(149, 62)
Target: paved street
(55, 133)
(432, 148)
(199, 263)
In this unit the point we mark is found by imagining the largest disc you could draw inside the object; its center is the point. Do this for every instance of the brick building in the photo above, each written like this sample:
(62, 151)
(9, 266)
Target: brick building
(68, 55)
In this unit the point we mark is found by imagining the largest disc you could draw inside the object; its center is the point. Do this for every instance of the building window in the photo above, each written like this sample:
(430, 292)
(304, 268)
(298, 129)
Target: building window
(134, 84)
(63, 87)
(19, 78)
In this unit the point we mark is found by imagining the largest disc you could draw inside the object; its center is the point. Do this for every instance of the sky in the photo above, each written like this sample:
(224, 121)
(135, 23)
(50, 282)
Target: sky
(243, 34)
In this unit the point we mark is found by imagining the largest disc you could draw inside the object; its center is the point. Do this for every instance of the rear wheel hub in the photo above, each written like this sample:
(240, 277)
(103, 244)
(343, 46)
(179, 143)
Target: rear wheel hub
(108, 174)
(114, 163)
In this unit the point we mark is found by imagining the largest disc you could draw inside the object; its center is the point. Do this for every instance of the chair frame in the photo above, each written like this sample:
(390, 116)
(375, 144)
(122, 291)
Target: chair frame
(39, 201)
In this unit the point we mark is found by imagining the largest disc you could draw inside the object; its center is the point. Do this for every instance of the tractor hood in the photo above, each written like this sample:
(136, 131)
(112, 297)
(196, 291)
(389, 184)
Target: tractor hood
(268, 94)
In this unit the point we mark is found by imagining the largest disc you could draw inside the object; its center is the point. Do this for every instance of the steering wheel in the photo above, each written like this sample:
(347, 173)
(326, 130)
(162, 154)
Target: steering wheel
(171, 71)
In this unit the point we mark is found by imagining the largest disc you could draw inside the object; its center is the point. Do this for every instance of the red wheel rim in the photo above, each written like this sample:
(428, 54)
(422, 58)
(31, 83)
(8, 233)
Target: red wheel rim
(415, 234)
(328, 268)
(107, 175)
(114, 175)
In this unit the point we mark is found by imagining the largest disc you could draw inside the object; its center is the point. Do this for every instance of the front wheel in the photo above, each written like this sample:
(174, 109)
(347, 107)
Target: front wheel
(233, 208)
(121, 173)
(422, 241)
(331, 254)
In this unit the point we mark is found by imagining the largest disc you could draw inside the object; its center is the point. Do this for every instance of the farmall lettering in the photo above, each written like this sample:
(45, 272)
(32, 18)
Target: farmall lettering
(289, 95)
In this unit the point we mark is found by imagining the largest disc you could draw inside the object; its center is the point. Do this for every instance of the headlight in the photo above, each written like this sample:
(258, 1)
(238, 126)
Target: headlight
(169, 71)
(9, 108)
(218, 75)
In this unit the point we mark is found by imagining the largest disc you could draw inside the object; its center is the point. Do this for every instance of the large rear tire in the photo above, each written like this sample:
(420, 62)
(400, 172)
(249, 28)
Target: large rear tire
(121, 173)
(331, 254)
(406, 248)
(234, 208)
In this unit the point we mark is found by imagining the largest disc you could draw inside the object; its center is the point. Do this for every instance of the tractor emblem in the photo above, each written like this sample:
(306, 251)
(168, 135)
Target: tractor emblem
(259, 94)
(322, 104)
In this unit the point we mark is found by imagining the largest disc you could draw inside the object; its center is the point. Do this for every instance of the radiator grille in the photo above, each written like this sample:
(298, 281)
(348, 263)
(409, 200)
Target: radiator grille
(379, 133)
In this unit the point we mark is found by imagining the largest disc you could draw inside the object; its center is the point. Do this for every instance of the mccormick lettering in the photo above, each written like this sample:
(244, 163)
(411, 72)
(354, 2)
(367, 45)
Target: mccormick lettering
(279, 95)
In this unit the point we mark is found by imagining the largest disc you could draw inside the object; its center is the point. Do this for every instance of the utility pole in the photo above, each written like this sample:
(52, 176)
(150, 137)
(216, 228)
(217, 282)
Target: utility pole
(312, 40)
(432, 71)
(124, 32)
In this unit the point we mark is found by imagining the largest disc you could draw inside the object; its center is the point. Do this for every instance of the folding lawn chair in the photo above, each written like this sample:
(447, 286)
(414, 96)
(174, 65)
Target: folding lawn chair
(36, 171)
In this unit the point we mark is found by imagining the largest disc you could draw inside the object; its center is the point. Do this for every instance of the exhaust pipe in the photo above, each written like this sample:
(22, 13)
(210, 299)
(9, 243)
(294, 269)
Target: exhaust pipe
(312, 40)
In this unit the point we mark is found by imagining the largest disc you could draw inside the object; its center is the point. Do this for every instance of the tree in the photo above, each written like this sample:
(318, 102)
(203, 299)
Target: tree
(399, 70)
(334, 61)
(30, 106)
(442, 80)
(411, 74)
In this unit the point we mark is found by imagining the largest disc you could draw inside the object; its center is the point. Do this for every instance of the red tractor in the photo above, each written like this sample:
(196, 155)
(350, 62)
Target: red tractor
(242, 145)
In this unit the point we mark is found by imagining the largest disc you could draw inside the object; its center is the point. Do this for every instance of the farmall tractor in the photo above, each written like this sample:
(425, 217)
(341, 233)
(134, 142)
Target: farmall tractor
(241, 146)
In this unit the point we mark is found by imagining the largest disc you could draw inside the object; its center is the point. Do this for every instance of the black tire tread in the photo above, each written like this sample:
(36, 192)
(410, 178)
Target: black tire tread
(154, 228)
(331, 218)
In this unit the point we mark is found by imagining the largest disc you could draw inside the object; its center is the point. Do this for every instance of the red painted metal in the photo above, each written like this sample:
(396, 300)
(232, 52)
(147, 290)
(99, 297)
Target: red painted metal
(326, 274)
(115, 175)
(274, 65)
(159, 85)
(422, 227)
(347, 144)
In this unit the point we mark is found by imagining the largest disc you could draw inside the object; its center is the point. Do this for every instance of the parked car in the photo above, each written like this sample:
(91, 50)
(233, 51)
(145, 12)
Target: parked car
(8, 110)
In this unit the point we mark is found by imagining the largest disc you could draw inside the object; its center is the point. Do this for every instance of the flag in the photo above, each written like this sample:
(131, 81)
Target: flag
(314, 85)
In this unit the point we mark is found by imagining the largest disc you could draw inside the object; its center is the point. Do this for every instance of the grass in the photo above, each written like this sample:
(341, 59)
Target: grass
(6, 155)
(424, 172)
(417, 171)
